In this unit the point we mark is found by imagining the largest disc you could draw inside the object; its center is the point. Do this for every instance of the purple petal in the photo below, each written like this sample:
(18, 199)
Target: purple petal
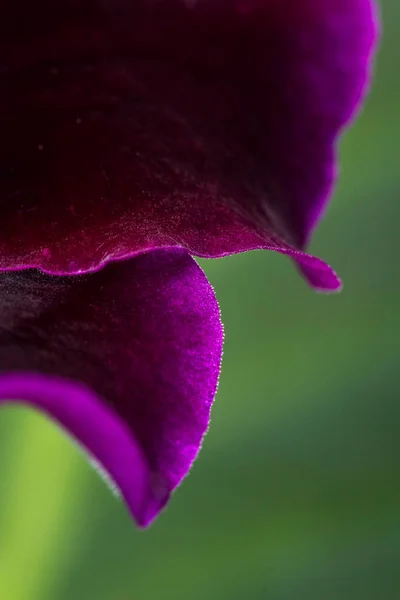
(129, 125)
(125, 359)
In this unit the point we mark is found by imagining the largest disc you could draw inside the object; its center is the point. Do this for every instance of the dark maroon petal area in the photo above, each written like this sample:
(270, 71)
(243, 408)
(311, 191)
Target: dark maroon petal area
(208, 124)
(125, 359)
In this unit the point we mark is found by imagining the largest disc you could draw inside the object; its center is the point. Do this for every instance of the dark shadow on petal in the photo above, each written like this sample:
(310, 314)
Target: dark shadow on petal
(129, 125)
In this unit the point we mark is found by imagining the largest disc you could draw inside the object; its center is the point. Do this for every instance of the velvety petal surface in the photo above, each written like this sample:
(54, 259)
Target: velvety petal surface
(125, 359)
(207, 124)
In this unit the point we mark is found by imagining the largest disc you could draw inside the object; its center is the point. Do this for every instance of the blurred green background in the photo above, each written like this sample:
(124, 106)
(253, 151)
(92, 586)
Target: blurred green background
(296, 494)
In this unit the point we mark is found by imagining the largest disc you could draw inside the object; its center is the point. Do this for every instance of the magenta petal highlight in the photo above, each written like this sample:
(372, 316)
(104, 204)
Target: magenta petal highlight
(100, 431)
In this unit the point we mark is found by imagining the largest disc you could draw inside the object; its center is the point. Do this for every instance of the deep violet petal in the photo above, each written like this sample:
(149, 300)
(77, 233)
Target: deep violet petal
(125, 359)
(211, 125)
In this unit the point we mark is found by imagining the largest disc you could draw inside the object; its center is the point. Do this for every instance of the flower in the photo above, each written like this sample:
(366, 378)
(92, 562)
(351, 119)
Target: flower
(154, 130)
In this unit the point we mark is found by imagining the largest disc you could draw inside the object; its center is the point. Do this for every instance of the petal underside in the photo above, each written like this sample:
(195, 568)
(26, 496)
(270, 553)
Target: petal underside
(211, 125)
(126, 360)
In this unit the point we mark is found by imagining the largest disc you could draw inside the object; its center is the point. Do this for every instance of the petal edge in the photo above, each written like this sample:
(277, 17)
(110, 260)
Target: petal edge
(126, 359)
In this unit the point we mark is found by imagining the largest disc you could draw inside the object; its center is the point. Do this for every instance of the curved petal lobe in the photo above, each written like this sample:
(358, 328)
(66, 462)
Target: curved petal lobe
(132, 124)
(125, 359)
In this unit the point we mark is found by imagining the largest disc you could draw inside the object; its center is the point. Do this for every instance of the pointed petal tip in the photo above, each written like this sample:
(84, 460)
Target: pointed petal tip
(318, 274)
(97, 429)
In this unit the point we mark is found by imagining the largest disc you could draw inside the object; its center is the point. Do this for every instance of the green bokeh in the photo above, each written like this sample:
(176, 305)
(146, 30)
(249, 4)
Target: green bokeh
(296, 494)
